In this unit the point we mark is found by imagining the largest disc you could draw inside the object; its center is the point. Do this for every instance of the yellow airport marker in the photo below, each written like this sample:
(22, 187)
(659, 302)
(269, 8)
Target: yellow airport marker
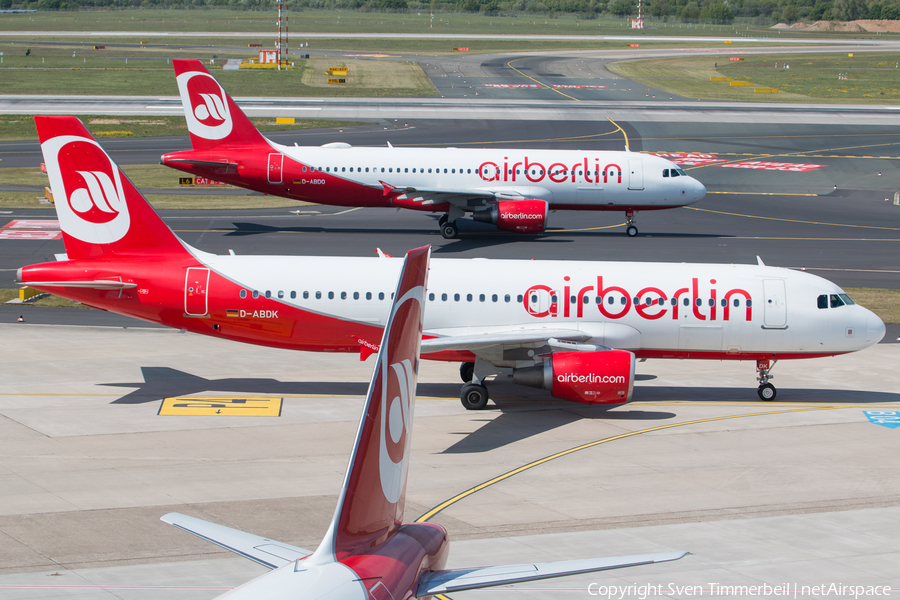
(221, 407)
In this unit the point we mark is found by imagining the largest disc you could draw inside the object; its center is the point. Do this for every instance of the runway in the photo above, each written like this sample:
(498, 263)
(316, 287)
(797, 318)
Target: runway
(796, 491)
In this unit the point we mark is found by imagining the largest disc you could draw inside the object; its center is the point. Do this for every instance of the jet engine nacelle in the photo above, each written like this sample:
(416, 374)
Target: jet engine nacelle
(523, 216)
(601, 377)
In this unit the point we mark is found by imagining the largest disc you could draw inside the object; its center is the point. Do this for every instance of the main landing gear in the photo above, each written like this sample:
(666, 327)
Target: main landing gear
(765, 390)
(630, 227)
(447, 223)
(474, 395)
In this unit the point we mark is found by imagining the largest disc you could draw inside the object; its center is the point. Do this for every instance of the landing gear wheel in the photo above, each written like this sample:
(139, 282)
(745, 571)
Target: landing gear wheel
(766, 392)
(474, 396)
(631, 230)
(443, 220)
(467, 371)
(449, 231)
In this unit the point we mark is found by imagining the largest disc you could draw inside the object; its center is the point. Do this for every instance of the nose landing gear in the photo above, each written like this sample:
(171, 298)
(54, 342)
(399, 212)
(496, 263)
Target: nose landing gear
(630, 227)
(766, 390)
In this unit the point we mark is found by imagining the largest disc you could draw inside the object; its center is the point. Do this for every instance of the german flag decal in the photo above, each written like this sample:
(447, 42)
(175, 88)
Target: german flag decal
(232, 313)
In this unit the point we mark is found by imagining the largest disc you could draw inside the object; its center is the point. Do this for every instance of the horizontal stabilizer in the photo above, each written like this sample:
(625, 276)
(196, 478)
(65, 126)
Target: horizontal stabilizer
(202, 163)
(476, 341)
(457, 580)
(97, 284)
(266, 552)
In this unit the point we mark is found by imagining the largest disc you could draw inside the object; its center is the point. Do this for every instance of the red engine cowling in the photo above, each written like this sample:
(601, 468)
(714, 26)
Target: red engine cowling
(523, 216)
(602, 377)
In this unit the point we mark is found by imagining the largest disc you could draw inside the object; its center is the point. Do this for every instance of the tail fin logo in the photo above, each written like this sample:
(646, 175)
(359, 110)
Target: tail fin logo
(398, 380)
(99, 201)
(205, 104)
(89, 183)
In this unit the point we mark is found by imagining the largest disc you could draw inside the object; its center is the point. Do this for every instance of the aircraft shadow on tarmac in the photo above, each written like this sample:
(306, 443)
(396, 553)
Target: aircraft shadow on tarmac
(524, 412)
(472, 235)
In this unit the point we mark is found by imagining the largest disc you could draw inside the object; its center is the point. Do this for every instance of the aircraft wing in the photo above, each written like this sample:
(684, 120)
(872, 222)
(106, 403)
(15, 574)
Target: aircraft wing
(435, 196)
(457, 580)
(266, 552)
(476, 341)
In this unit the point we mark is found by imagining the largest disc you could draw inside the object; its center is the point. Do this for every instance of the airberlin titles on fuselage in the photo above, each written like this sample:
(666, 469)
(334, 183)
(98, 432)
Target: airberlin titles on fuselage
(650, 303)
(557, 172)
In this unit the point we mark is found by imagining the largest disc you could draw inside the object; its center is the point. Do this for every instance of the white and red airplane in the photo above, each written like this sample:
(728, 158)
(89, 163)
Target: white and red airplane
(368, 552)
(574, 328)
(513, 189)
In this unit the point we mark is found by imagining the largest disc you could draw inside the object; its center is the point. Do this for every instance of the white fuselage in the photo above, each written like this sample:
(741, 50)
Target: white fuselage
(564, 178)
(675, 310)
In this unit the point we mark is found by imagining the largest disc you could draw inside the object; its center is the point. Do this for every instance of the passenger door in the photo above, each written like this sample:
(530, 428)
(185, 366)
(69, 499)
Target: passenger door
(775, 310)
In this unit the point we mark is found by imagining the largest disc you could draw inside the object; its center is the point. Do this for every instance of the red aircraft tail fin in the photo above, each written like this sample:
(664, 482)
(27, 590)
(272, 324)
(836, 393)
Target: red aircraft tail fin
(371, 505)
(99, 209)
(213, 119)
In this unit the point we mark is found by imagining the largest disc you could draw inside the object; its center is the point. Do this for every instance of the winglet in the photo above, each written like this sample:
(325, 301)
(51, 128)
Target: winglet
(387, 188)
(759, 261)
(372, 499)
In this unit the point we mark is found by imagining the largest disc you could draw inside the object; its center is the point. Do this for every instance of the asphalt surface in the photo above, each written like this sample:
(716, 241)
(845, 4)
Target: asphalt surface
(833, 219)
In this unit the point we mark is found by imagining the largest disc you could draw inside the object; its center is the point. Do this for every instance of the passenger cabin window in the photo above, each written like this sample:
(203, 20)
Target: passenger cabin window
(431, 297)
(305, 295)
(280, 294)
(243, 293)
(381, 295)
(293, 295)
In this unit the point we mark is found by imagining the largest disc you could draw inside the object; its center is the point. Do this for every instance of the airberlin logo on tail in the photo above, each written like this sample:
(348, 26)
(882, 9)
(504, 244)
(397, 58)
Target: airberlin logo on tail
(98, 202)
(398, 381)
(205, 104)
(94, 208)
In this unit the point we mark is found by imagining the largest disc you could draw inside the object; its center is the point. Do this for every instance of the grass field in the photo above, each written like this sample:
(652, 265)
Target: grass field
(872, 78)
(320, 21)
(21, 127)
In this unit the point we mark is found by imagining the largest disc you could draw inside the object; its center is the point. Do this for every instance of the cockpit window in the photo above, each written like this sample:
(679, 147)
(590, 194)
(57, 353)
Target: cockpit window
(846, 299)
(665, 172)
(822, 301)
(836, 301)
(680, 172)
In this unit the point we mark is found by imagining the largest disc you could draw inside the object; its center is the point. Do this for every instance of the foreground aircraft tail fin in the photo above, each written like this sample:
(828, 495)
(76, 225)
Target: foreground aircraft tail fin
(213, 118)
(371, 503)
(99, 209)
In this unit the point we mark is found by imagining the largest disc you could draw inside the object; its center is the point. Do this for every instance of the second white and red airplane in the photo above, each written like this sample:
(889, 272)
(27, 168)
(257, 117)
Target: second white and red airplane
(511, 188)
(573, 328)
